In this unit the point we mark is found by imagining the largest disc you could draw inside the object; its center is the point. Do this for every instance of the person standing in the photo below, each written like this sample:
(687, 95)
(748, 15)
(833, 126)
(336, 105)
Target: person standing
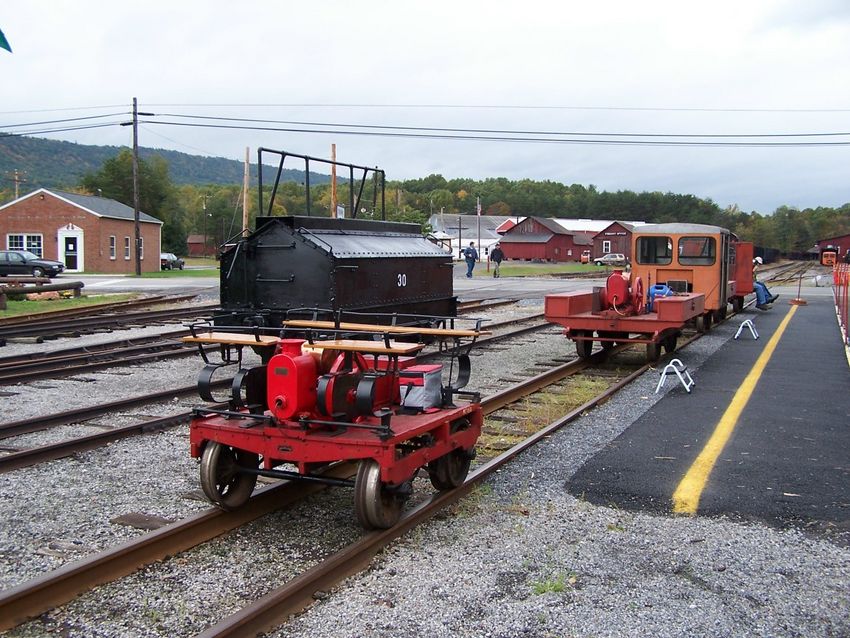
(497, 256)
(471, 257)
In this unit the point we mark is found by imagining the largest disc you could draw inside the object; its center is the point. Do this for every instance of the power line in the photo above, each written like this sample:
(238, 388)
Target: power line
(500, 131)
(70, 119)
(496, 138)
(57, 130)
(512, 107)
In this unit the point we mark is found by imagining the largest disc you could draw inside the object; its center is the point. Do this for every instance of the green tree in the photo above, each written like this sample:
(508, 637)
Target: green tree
(157, 195)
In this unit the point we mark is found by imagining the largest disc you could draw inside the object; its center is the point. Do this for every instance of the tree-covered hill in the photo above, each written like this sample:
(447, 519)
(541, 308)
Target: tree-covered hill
(55, 164)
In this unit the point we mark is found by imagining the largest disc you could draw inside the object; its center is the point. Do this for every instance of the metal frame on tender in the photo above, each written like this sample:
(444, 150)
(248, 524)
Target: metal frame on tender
(349, 409)
(354, 204)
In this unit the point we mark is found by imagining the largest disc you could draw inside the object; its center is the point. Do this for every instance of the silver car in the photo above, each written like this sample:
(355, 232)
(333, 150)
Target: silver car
(611, 259)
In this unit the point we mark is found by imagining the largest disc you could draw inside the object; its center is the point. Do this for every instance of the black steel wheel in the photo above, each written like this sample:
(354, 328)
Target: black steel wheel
(606, 345)
(703, 323)
(450, 470)
(376, 507)
(583, 346)
(221, 479)
(670, 342)
(737, 304)
(38, 271)
(653, 352)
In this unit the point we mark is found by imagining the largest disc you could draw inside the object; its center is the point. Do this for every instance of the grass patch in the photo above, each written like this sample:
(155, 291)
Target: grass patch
(556, 584)
(520, 269)
(18, 308)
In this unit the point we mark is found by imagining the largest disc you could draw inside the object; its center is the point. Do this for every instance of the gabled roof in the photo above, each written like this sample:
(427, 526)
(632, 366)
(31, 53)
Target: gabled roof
(552, 225)
(526, 238)
(99, 206)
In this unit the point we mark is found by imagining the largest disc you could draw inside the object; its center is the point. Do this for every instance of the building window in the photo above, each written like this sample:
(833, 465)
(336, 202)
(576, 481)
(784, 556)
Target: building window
(606, 246)
(113, 246)
(141, 248)
(126, 248)
(32, 243)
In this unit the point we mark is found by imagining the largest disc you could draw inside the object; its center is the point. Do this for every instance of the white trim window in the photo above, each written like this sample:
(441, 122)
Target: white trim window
(141, 248)
(127, 248)
(113, 247)
(606, 246)
(19, 241)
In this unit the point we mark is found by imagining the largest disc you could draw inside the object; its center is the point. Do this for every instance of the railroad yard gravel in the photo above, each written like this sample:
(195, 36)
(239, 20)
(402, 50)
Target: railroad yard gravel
(519, 557)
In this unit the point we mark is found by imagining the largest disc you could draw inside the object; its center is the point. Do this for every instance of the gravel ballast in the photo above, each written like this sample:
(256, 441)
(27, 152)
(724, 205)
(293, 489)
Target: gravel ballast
(519, 557)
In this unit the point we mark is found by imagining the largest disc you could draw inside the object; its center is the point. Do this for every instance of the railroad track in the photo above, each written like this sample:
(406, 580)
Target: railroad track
(19, 458)
(33, 597)
(93, 310)
(36, 596)
(83, 359)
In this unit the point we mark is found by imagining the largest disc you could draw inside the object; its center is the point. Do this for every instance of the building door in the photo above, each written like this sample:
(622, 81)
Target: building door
(71, 248)
(70, 253)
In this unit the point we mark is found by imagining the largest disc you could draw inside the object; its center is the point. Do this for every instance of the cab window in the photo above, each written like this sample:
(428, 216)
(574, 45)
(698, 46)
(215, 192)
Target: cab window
(654, 250)
(697, 251)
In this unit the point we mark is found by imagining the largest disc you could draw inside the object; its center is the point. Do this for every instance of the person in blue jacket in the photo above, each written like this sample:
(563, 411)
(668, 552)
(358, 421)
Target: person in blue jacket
(471, 256)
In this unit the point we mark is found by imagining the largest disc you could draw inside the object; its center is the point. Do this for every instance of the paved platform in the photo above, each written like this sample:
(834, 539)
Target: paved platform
(764, 433)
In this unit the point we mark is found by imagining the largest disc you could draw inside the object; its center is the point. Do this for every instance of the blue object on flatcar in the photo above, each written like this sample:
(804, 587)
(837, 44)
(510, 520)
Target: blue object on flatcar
(658, 290)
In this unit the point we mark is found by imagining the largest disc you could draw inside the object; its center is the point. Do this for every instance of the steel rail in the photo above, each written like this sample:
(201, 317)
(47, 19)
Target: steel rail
(275, 607)
(94, 349)
(93, 309)
(55, 588)
(132, 355)
(34, 597)
(36, 424)
(99, 322)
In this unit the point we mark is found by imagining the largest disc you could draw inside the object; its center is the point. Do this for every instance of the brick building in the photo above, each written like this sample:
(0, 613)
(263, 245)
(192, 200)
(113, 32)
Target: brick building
(86, 233)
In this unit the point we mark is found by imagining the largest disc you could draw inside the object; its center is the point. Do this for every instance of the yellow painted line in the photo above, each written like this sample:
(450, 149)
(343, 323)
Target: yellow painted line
(690, 488)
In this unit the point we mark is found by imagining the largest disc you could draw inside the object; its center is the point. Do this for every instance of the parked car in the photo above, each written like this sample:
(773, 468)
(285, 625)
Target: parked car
(611, 259)
(23, 262)
(170, 261)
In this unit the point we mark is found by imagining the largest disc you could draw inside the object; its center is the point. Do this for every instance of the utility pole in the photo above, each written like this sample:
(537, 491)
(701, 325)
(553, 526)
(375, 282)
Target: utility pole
(246, 182)
(138, 230)
(18, 179)
(333, 181)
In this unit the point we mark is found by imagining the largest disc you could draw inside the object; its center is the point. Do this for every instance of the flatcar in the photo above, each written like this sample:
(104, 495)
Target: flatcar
(348, 392)
(681, 274)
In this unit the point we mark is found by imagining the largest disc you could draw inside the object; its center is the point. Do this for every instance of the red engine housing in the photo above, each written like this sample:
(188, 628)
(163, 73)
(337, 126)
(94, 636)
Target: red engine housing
(616, 290)
(291, 381)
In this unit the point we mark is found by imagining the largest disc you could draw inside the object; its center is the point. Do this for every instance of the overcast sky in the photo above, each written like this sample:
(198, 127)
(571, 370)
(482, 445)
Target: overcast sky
(561, 68)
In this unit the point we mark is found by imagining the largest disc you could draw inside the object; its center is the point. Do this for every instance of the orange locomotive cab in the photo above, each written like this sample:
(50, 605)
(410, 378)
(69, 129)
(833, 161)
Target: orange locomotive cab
(694, 258)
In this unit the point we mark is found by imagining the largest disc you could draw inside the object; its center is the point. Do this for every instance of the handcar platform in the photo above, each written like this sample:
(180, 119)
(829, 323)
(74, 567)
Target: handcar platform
(763, 434)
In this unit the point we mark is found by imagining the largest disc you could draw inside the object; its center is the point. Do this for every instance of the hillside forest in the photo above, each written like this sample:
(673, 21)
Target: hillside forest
(215, 210)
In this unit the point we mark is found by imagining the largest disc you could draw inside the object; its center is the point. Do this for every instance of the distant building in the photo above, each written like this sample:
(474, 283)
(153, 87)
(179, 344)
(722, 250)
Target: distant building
(198, 247)
(841, 245)
(456, 231)
(616, 237)
(545, 239)
(86, 233)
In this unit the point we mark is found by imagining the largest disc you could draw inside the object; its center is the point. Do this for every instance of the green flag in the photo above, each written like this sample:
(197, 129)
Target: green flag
(4, 43)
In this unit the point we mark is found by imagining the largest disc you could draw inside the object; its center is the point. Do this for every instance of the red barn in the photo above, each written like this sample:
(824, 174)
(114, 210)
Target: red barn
(543, 239)
(615, 238)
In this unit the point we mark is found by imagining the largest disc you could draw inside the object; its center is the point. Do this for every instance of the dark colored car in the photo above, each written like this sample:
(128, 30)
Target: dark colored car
(23, 262)
(170, 261)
